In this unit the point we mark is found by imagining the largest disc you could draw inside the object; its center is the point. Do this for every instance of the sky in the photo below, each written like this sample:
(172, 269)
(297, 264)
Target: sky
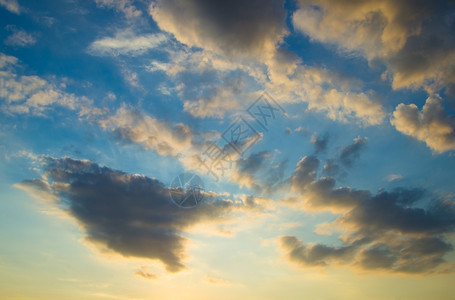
(274, 149)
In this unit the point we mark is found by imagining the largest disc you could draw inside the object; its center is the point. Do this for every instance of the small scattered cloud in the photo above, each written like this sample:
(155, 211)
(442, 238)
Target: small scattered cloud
(145, 273)
(320, 143)
(124, 6)
(126, 42)
(20, 38)
(24, 94)
(394, 177)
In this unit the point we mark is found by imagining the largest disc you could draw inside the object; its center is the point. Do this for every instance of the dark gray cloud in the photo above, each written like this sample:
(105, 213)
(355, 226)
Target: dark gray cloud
(320, 143)
(233, 27)
(128, 214)
(305, 172)
(315, 255)
(403, 230)
(352, 152)
(394, 211)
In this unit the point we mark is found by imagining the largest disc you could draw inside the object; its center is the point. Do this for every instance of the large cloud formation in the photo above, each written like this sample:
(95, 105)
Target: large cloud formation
(251, 28)
(128, 214)
(392, 231)
(236, 49)
(415, 39)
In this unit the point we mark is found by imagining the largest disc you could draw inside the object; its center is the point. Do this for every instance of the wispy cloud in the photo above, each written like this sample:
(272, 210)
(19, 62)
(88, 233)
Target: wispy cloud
(126, 43)
(20, 38)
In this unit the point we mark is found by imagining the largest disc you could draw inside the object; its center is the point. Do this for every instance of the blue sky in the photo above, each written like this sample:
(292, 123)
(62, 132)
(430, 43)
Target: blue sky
(348, 182)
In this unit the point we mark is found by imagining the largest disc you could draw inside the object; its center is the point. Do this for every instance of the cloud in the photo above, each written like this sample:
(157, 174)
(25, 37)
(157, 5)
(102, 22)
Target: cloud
(20, 38)
(209, 84)
(415, 40)
(397, 231)
(305, 172)
(23, 94)
(216, 74)
(128, 214)
(6, 60)
(326, 91)
(331, 168)
(432, 125)
(350, 153)
(145, 273)
(126, 43)
(132, 126)
(11, 5)
(315, 255)
(394, 177)
(320, 143)
(124, 6)
(239, 28)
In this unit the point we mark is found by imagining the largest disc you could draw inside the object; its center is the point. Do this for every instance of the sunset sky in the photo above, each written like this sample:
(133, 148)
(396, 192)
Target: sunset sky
(323, 132)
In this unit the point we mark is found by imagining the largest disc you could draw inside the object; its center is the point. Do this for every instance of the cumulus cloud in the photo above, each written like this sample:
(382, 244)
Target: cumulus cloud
(432, 125)
(126, 42)
(396, 231)
(128, 214)
(415, 40)
(251, 28)
(225, 35)
(23, 94)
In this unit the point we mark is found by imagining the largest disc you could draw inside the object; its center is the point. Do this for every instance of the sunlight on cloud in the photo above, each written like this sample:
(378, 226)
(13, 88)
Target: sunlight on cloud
(432, 125)
(126, 43)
